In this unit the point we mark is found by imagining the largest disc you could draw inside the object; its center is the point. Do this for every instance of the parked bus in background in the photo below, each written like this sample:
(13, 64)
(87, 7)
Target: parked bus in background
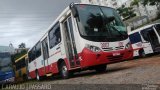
(146, 40)
(7, 74)
(82, 37)
(21, 71)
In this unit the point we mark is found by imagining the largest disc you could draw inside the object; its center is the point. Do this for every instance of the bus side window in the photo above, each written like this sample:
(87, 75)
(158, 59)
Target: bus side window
(32, 55)
(29, 56)
(38, 49)
(144, 34)
(54, 36)
(135, 38)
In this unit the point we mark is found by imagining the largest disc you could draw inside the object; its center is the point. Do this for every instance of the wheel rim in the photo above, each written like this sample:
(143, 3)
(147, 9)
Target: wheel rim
(143, 54)
(37, 76)
(64, 71)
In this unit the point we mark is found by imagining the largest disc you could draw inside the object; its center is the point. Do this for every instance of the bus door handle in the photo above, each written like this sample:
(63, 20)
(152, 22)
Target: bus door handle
(57, 48)
(145, 42)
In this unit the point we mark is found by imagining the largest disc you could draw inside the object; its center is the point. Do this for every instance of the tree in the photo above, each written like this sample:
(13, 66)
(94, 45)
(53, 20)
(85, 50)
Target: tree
(136, 3)
(126, 12)
(152, 2)
(22, 45)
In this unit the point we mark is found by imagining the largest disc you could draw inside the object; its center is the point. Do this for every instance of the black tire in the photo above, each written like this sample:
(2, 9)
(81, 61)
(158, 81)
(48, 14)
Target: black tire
(142, 54)
(25, 78)
(64, 72)
(101, 68)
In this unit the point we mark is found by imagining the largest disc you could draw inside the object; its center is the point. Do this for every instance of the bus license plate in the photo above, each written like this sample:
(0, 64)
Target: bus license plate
(116, 54)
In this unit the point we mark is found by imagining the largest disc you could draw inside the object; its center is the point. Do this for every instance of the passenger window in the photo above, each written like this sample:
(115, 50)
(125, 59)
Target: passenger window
(32, 55)
(135, 38)
(54, 36)
(144, 33)
(38, 49)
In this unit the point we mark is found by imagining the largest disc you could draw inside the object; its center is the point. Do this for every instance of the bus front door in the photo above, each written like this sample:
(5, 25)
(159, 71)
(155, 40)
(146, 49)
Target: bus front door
(69, 40)
(153, 40)
(45, 55)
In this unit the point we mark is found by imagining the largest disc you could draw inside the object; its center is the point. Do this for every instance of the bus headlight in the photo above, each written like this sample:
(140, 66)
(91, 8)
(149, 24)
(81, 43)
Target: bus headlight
(128, 46)
(93, 48)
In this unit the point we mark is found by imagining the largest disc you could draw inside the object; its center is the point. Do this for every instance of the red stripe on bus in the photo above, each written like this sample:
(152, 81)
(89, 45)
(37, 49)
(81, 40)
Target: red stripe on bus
(41, 71)
(32, 74)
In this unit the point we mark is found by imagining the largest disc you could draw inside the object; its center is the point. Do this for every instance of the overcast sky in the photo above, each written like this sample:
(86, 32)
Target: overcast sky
(27, 20)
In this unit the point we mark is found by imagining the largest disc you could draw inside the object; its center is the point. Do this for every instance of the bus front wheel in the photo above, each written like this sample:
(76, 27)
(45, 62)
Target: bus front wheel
(65, 74)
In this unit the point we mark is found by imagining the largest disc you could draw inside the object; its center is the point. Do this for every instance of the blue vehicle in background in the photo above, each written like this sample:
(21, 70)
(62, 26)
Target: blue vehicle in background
(7, 74)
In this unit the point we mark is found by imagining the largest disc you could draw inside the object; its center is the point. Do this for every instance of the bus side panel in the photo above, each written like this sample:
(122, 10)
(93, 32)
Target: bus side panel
(147, 48)
(32, 69)
(41, 71)
(136, 48)
(32, 74)
(54, 68)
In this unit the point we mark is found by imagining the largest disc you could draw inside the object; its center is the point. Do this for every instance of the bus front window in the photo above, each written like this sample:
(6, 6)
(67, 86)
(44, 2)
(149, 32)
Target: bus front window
(98, 23)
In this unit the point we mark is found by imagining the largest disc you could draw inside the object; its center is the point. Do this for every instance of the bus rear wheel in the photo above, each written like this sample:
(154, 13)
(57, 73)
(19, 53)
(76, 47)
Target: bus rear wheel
(25, 78)
(101, 68)
(142, 54)
(39, 78)
(65, 74)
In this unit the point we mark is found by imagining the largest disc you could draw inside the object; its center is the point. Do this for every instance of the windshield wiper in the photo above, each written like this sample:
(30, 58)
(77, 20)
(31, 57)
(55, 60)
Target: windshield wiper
(118, 31)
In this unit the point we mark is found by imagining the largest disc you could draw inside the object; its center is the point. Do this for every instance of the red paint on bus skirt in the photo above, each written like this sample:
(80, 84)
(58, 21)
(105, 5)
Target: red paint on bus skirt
(32, 74)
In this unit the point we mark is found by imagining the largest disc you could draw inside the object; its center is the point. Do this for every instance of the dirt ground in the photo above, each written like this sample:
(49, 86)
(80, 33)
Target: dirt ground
(137, 71)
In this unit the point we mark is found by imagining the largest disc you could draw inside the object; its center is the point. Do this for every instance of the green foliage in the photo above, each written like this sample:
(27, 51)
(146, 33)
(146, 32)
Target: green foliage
(22, 45)
(126, 12)
(135, 2)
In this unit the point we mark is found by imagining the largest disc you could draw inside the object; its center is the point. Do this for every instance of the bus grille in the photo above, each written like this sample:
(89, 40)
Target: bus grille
(111, 49)
(115, 58)
(107, 49)
(119, 48)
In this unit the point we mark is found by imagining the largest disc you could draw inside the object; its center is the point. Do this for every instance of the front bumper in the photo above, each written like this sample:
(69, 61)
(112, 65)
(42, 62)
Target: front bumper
(90, 58)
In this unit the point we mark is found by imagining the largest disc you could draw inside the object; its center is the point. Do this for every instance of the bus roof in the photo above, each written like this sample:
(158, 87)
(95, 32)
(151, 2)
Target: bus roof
(20, 58)
(141, 28)
(144, 27)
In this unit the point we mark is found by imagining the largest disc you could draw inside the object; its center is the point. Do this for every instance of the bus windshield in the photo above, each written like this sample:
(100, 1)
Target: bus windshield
(5, 62)
(97, 22)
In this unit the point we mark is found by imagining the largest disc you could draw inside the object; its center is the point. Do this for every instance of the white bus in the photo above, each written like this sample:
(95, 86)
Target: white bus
(146, 40)
(82, 37)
